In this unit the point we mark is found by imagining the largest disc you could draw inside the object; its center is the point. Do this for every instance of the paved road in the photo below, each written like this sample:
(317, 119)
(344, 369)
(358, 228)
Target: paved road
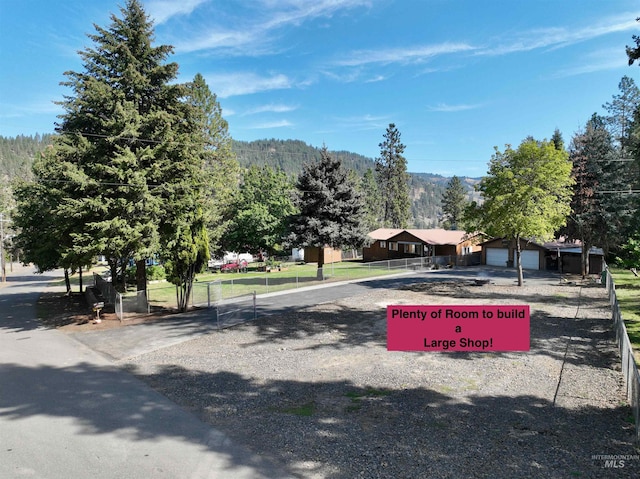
(121, 343)
(67, 413)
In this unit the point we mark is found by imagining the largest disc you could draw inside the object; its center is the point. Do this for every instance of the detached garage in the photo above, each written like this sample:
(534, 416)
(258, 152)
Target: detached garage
(500, 252)
(530, 259)
(496, 256)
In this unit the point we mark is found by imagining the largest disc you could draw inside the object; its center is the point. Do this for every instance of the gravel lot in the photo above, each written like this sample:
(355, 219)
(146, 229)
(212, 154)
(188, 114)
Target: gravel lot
(318, 392)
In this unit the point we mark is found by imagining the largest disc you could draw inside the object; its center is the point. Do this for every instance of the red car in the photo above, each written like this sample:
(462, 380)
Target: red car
(234, 267)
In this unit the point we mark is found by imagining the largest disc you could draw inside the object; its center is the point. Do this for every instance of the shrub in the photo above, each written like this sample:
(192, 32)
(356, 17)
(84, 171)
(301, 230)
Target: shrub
(630, 254)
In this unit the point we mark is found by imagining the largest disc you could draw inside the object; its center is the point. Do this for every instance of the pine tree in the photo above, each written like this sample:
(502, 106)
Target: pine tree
(373, 206)
(454, 203)
(330, 209)
(621, 110)
(393, 180)
(557, 140)
(219, 158)
(116, 130)
(589, 152)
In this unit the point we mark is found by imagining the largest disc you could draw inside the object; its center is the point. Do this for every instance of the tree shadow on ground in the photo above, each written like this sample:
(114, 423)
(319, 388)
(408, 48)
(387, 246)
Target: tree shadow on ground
(337, 429)
(105, 400)
(583, 334)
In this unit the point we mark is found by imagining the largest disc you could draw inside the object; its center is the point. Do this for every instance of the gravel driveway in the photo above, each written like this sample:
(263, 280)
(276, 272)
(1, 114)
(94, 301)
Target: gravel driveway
(318, 392)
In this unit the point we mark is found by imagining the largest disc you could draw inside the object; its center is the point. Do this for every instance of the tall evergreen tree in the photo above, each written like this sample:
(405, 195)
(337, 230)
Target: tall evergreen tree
(557, 140)
(220, 160)
(454, 203)
(116, 131)
(621, 110)
(633, 53)
(373, 205)
(330, 209)
(393, 180)
(589, 152)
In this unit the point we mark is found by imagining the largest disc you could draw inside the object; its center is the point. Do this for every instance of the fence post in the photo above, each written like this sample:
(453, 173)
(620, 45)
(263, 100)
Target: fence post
(255, 313)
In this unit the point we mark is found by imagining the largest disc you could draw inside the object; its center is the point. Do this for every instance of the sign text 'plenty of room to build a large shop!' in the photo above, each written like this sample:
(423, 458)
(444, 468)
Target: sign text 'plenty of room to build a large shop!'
(458, 328)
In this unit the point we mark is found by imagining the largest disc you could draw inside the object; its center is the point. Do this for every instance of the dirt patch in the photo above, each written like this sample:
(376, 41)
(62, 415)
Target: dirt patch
(72, 314)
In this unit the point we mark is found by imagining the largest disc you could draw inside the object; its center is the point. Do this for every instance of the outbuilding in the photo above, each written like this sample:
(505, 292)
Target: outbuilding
(561, 256)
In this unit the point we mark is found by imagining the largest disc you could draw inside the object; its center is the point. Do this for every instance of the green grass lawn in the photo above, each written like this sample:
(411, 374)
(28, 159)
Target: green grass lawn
(290, 276)
(228, 285)
(628, 294)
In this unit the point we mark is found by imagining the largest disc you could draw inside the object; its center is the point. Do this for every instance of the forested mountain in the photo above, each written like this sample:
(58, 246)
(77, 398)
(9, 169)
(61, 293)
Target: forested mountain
(17, 155)
(289, 155)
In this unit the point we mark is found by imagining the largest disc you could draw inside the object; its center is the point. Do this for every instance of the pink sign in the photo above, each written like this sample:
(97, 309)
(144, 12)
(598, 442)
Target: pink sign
(458, 328)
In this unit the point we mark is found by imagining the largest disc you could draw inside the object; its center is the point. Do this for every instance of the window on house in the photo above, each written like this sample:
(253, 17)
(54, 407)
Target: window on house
(393, 246)
(410, 248)
(383, 244)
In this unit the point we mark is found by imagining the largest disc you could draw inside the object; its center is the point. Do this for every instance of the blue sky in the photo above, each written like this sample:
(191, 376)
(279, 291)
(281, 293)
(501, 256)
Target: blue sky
(457, 77)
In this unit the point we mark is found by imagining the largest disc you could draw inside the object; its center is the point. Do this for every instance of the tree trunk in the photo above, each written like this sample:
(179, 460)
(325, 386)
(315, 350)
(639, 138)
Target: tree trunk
(141, 284)
(320, 275)
(585, 259)
(67, 281)
(519, 262)
(183, 291)
(80, 277)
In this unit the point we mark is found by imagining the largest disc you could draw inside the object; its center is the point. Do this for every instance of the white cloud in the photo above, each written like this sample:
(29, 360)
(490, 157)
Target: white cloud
(255, 36)
(599, 60)
(414, 54)
(559, 37)
(444, 107)
(363, 122)
(270, 108)
(162, 10)
(273, 124)
(235, 84)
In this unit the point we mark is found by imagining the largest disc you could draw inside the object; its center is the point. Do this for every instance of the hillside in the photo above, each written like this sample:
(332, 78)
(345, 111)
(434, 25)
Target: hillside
(17, 155)
(426, 189)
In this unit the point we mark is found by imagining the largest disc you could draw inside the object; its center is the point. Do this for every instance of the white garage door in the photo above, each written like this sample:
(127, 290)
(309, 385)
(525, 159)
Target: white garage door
(497, 256)
(530, 259)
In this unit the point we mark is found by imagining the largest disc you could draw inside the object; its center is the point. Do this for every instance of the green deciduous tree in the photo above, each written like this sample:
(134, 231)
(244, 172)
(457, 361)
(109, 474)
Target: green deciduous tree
(330, 209)
(261, 211)
(526, 194)
(393, 180)
(45, 235)
(454, 203)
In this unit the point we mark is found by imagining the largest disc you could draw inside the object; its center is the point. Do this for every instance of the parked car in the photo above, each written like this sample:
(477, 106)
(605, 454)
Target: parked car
(234, 267)
(214, 264)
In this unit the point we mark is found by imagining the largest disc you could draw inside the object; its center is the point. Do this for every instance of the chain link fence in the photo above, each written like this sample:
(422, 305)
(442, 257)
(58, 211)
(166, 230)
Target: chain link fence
(212, 294)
